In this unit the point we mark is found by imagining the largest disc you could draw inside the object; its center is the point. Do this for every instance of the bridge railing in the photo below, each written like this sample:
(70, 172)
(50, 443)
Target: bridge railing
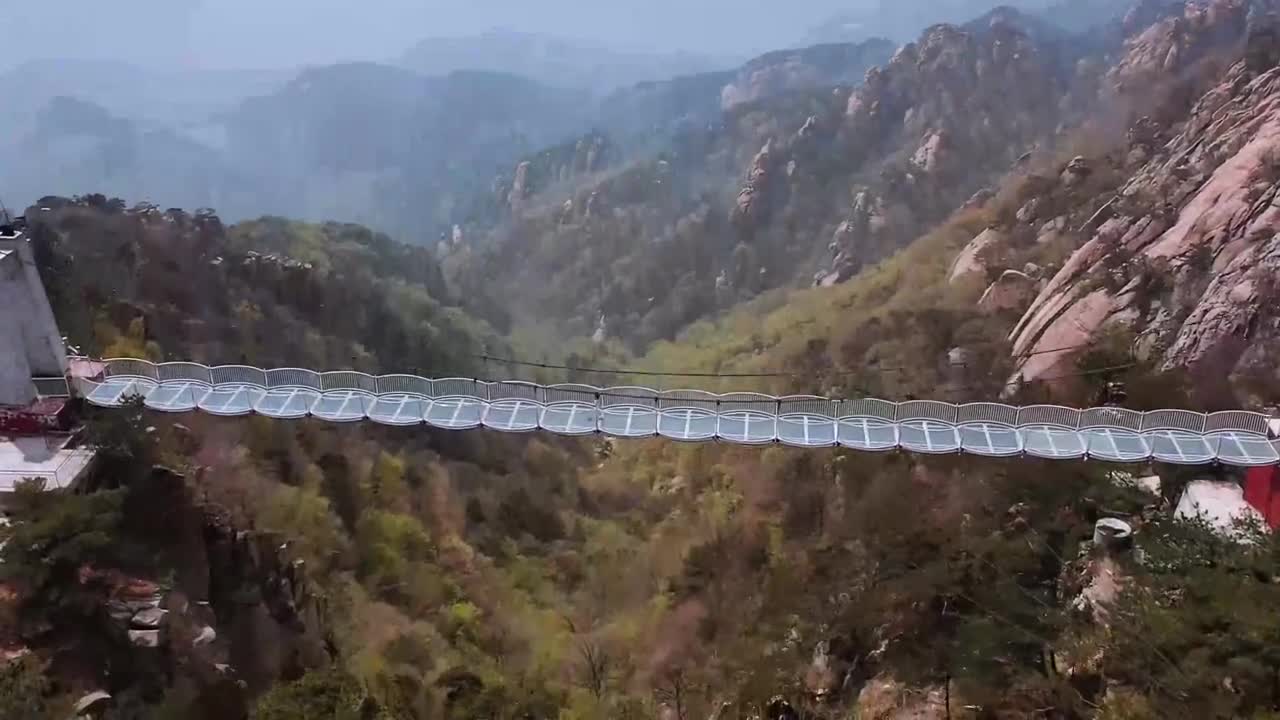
(1235, 436)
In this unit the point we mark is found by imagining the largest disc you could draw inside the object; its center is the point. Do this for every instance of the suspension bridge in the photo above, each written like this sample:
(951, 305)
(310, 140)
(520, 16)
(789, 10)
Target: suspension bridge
(34, 368)
(1236, 438)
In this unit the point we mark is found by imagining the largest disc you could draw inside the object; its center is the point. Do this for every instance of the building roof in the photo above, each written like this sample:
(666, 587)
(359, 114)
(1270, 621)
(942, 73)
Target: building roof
(44, 457)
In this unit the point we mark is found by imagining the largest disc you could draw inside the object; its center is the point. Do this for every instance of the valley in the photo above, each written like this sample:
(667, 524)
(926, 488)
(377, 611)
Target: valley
(1070, 212)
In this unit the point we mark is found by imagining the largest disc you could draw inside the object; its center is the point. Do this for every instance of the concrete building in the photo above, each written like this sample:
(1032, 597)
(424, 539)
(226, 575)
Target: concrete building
(30, 344)
(34, 440)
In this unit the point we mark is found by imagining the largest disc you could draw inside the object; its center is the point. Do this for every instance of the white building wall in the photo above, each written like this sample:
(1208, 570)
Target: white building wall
(30, 342)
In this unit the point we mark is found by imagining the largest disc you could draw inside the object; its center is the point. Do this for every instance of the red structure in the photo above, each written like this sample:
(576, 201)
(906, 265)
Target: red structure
(41, 416)
(1262, 491)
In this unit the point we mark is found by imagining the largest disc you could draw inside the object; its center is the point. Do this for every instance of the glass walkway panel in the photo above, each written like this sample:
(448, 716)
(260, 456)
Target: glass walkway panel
(1114, 445)
(571, 418)
(990, 440)
(513, 415)
(929, 437)
(1244, 449)
(231, 400)
(399, 409)
(687, 424)
(629, 421)
(746, 427)
(868, 434)
(115, 391)
(287, 403)
(456, 413)
(807, 431)
(181, 396)
(1180, 448)
(343, 406)
(1053, 443)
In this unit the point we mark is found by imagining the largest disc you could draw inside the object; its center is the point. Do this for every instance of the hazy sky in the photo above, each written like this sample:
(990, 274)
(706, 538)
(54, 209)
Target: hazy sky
(275, 33)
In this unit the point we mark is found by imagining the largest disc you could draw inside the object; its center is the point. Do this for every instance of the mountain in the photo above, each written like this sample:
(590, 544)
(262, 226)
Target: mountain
(74, 143)
(819, 66)
(360, 142)
(551, 61)
(1083, 15)
(646, 114)
(195, 287)
(999, 211)
(798, 181)
(902, 20)
(173, 97)
(409, 153)
(388, 147)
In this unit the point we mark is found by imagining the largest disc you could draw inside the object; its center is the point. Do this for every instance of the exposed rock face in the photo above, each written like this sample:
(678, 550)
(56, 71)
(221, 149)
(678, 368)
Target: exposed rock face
(791, 70)
(1160, 52)
(1193, 255)
(856, 239)
(957, 80)
(519, 186)
(750, 207)
(883, 698)
(237, 600)
(945, 99)
(970, 264)
(931, 155)
(1013, 290)
(1076, 171)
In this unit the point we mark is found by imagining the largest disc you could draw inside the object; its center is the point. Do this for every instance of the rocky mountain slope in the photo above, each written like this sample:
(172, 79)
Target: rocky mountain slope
(783, 187)
(1174, 247)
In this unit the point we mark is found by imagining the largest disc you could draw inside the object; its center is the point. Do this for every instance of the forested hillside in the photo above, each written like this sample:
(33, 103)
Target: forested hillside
(928, 234)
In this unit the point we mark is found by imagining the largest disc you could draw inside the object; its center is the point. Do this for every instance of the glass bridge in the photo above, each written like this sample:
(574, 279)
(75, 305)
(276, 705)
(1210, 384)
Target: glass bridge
(1238, 438)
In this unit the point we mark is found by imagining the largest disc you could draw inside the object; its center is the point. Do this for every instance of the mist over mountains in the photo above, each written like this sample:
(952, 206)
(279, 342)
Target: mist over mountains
(412, 145)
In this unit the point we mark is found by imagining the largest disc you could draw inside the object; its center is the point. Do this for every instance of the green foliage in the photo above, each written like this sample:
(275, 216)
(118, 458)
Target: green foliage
(53, 535)
(389, 546)
(126, 443)
(26, 692)
(270, 292)
(386, 488)
(1196, 634)
(304, 516)
(319, 695)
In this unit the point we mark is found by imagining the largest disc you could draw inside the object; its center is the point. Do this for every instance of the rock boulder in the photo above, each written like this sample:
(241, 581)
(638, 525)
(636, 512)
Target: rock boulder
(1013, 290)
(971, 262)
(884, 698)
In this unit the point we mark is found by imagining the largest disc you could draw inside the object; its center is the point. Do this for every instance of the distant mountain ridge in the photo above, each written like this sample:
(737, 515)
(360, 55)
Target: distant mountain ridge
(552, 61)
(383, 145)
(171, 96)
(901, 20)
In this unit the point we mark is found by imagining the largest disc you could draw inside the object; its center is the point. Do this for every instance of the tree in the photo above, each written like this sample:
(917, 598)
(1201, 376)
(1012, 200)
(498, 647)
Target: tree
(673, 690)
(52, 536)
(127, 446)
(26, 692)
(329, 694)
(595, 667)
